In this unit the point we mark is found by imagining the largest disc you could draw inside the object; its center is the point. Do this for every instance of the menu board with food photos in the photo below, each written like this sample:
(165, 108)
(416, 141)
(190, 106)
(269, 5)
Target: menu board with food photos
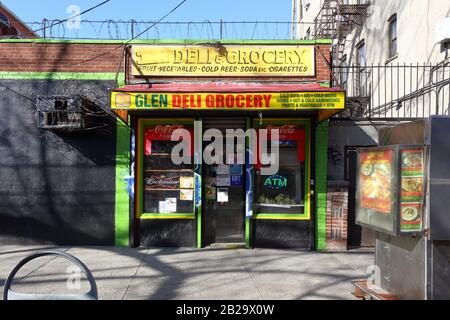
(412, 189)
(376, 197)
(376, 180)
(390, 188)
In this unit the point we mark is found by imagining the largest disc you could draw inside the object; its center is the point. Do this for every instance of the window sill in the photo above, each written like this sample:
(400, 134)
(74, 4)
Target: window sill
(281, 216)
(167, 216)
(391, 59)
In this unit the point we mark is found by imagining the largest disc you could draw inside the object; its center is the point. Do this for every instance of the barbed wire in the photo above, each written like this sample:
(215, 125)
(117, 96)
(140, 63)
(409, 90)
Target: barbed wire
(204, 30)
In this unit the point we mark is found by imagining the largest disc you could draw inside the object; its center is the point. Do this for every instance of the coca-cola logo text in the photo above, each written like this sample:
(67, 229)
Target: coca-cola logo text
(167, 128)
(284, 129)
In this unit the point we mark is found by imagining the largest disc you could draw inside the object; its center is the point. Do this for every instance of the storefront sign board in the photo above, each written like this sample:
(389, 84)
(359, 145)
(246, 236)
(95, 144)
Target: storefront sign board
(223, 61)
(320, 100)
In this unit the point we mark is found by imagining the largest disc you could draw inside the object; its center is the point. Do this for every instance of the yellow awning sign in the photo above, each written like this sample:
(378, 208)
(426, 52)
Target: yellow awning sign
(228, 101)
(223, 61)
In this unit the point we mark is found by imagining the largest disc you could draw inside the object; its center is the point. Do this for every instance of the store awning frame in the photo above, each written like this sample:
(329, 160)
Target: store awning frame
(205, 90)
(227, 87)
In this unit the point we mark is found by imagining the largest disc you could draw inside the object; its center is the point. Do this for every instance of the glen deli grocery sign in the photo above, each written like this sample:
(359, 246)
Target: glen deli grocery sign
(238, 101)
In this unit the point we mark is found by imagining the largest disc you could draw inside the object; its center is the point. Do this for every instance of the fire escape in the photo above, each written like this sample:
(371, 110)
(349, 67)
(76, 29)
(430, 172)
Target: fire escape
(336, 20)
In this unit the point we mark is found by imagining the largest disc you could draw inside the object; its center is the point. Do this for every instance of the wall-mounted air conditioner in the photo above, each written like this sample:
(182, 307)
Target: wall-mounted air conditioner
(59, 112)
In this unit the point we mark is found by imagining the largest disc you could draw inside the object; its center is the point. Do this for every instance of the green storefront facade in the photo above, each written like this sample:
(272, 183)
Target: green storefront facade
(128, 223)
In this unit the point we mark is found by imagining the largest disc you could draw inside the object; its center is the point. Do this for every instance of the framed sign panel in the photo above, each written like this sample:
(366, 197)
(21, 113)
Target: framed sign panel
(390, 189)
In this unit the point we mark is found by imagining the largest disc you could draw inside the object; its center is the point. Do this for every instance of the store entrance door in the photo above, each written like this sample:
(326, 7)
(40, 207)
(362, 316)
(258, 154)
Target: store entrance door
(223, 190)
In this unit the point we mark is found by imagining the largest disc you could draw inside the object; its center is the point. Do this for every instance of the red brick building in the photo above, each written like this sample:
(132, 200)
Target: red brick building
(12, 27)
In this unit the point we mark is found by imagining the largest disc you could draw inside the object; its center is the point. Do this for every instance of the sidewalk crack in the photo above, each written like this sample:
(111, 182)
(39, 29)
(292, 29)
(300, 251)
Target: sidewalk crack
(135, 273)
(249, 274)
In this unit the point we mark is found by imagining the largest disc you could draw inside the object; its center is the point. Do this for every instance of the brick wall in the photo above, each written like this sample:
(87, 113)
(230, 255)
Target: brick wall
(337, 215)
(323, 58)
(59, 57)
(101, 58)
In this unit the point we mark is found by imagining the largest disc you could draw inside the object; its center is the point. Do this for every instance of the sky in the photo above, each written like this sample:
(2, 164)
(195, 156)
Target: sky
(192, 10)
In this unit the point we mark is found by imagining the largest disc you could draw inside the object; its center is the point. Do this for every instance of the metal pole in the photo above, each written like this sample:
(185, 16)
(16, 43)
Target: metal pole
(410, 87)
(417, 88)
(371, 95)
(44, 25)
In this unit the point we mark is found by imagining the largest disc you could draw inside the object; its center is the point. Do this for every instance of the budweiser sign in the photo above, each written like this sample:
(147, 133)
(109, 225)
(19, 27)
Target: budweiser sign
(162, 182)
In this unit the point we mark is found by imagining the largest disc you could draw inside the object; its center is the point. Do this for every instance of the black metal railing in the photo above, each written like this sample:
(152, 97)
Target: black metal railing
(398, 91)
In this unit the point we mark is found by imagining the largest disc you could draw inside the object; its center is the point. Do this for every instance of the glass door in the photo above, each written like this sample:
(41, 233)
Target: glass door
(223, 185)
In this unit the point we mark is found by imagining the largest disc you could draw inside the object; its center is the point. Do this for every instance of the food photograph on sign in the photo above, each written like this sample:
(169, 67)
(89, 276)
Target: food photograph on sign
(376, 202)
(376, 181)
(411, 217)
(412, 189)
(412, 160)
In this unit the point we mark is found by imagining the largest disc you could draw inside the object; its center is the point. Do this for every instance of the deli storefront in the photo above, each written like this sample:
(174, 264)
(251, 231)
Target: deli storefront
(220, 96)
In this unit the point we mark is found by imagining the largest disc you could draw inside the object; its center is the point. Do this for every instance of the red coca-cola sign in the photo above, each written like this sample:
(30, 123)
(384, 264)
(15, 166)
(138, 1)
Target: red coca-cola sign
(167, 128)
(284, 129)
(162, 131)
(286, 132)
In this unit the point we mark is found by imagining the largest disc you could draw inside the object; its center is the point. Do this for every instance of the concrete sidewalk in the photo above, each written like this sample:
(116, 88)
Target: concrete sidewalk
(184, 273)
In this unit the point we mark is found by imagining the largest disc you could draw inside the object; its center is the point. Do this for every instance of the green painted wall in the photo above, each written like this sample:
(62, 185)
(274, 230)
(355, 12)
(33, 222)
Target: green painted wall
(122, 203)
(123, 166)
(321, 184)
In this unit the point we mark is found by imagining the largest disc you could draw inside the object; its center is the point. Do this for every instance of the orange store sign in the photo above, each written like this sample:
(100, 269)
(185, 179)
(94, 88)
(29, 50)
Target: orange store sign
(229, 101)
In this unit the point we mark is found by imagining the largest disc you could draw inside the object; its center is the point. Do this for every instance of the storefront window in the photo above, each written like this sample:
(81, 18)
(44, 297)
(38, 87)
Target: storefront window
(283, 192)
(167, 187)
